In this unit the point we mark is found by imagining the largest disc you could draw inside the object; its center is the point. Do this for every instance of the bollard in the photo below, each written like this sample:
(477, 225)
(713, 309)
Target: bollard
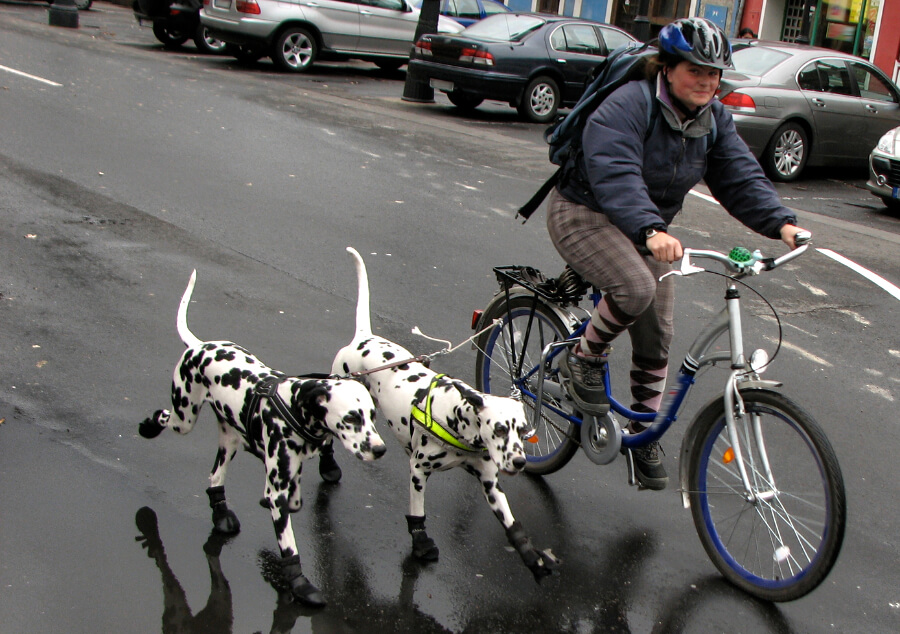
(64, 13)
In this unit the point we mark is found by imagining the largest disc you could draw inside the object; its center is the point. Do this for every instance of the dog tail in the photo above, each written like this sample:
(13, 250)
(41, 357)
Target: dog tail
(363, 320)
(184, 332)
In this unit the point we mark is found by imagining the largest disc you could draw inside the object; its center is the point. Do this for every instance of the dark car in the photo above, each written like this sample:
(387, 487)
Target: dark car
(535, 63)
(467, 12)
(800, 105)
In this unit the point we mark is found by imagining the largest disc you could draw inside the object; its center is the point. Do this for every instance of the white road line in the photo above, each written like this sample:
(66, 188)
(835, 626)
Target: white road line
(866, 273)
(705, 197)
(34, 77)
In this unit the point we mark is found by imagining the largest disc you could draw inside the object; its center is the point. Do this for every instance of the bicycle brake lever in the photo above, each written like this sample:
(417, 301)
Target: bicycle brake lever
(686, 267)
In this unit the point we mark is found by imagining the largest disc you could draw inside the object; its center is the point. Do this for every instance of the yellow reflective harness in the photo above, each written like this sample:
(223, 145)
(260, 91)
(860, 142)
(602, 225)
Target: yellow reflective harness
(424, 418)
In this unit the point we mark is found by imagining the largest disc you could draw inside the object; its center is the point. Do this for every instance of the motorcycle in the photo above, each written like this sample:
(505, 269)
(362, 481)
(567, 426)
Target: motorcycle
(175, 22)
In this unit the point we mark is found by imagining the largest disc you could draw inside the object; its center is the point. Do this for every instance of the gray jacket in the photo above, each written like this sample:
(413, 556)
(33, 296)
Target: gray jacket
(639, 177)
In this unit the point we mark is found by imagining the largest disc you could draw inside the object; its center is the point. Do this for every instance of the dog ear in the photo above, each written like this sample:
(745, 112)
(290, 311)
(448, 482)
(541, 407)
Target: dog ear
(311, 391)
(471, 397)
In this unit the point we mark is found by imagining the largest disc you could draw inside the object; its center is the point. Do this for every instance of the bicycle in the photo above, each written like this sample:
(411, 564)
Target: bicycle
(761, 479)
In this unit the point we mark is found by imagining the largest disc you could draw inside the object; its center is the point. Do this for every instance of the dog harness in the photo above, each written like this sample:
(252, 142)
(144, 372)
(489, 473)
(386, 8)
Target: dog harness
(268, 388)
(424, 418)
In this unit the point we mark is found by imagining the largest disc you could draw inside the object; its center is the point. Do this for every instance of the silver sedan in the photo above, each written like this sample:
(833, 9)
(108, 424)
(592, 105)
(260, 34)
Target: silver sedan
(800, 105)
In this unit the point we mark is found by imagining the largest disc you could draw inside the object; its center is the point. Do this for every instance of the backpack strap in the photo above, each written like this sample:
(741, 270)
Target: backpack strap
(531, 206)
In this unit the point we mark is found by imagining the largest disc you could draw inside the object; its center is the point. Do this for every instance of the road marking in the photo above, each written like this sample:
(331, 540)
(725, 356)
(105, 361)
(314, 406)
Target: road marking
(866, 273)
(705, 197)
(34, 77)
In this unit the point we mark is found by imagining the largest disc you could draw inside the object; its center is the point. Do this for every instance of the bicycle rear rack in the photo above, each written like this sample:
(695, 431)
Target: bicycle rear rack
(567, 289)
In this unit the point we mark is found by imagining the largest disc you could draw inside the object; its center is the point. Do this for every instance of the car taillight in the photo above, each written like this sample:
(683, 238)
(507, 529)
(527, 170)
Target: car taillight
(738, 100)
(205, 3)
(476, 56)
(423, 47)
(247, 6)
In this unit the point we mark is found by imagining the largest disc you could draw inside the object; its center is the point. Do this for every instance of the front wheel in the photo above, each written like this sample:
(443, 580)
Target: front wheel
(83, 5)
(508, 359)
(780, 545)
(171, 38)
(294, 50)
(540, 101)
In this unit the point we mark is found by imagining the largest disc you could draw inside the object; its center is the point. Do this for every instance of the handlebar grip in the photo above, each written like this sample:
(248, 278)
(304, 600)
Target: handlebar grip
(802, 237)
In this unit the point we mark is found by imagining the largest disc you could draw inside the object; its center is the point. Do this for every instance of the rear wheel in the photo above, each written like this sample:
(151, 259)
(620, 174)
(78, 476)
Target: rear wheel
(891, 203)
(170, 38)
(390, 65)
(787, 152)
(294, 50)
(206, 43)
(540, 101)
(512, 349)
(782, 544)
(83, 5)
(464, 101)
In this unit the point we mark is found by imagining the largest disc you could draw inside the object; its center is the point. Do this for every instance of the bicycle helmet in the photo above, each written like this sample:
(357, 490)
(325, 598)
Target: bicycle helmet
(697, 40)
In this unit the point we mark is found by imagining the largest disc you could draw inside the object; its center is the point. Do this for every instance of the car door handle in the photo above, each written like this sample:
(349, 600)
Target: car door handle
(559, 60)
(818, 102)
(871, 108)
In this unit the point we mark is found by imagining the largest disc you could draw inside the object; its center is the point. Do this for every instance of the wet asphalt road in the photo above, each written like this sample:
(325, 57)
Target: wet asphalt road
(152, 163)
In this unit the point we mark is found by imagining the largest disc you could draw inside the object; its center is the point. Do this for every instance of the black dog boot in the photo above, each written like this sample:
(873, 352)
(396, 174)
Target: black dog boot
(328, 466)
(424, 548)
(541, 563)
(301, 587)
(224, 519)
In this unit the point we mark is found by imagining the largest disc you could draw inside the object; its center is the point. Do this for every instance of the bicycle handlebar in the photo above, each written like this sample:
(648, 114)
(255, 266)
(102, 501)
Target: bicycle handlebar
(740, 261)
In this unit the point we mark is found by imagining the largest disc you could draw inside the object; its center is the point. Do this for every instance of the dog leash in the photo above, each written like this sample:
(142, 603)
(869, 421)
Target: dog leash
(424, 359)
(424, 418)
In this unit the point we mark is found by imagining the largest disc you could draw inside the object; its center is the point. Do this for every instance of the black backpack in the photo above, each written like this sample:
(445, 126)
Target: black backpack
(622, 65)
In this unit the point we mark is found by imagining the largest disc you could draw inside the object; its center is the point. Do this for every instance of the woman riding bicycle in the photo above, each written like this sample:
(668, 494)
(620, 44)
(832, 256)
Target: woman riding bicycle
(624, 191)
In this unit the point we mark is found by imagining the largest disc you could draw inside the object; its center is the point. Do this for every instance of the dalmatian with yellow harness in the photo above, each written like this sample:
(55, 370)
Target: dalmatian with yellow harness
(442, 423)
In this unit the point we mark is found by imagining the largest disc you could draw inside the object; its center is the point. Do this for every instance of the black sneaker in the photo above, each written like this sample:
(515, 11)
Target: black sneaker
(649, 468)
(585, 383)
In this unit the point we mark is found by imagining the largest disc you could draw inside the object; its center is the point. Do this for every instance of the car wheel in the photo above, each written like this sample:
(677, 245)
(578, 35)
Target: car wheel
(891, 203)
(83, 5)
(170, 38)
(786, 153)
(243, 54)
(390, 65)
(464, 101)
(206, 43)
(294, 50)
(540, 101)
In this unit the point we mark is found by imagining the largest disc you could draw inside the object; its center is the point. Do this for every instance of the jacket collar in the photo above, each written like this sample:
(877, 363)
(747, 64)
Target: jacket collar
(694, 128)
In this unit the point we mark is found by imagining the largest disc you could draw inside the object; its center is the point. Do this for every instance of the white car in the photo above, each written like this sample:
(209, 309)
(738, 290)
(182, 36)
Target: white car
(295, 33)
(884, 169)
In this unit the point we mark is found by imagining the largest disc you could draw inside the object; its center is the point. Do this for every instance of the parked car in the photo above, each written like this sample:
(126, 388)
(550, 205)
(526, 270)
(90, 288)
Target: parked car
(536, 63)
(884, 169)
(467, 12)
(175, 22)
(296, 33)
(799, 105)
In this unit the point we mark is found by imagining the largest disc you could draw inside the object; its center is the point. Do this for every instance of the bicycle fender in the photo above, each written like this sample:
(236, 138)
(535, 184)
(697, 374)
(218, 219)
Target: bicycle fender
(565, 316)
(690, 434)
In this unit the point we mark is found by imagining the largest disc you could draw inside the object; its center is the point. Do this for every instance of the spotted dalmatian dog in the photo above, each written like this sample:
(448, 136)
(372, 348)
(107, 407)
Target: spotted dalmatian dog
(483, 434)
(282, 420)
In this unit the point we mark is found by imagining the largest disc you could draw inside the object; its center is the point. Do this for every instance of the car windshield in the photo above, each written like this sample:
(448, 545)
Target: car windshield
(505, 27)
(757, 60)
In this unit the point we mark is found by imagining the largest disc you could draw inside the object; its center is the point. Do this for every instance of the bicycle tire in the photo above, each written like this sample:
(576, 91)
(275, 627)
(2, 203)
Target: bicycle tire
(555, 440)
(766, 548)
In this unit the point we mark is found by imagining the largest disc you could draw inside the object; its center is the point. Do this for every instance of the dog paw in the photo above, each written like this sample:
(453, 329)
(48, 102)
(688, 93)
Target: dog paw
(305, 592)
(424, 548)
(546, 564)
(329, 469)
(151, 427)
(225, 522)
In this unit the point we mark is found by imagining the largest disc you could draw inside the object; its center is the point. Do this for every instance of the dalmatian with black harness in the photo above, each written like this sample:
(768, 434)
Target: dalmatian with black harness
(442, 423)
(282, 420)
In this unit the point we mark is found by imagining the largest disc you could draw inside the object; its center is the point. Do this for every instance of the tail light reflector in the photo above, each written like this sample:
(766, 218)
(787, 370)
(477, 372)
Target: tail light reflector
(247, 6)
(739, 100)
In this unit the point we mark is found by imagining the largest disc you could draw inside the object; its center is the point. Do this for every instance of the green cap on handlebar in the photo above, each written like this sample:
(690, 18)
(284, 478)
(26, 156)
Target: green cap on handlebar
(740, 255)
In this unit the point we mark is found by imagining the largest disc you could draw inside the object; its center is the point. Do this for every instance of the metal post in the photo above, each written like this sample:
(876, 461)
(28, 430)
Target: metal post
(64, 13)
(641, 28)
(420, 91)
